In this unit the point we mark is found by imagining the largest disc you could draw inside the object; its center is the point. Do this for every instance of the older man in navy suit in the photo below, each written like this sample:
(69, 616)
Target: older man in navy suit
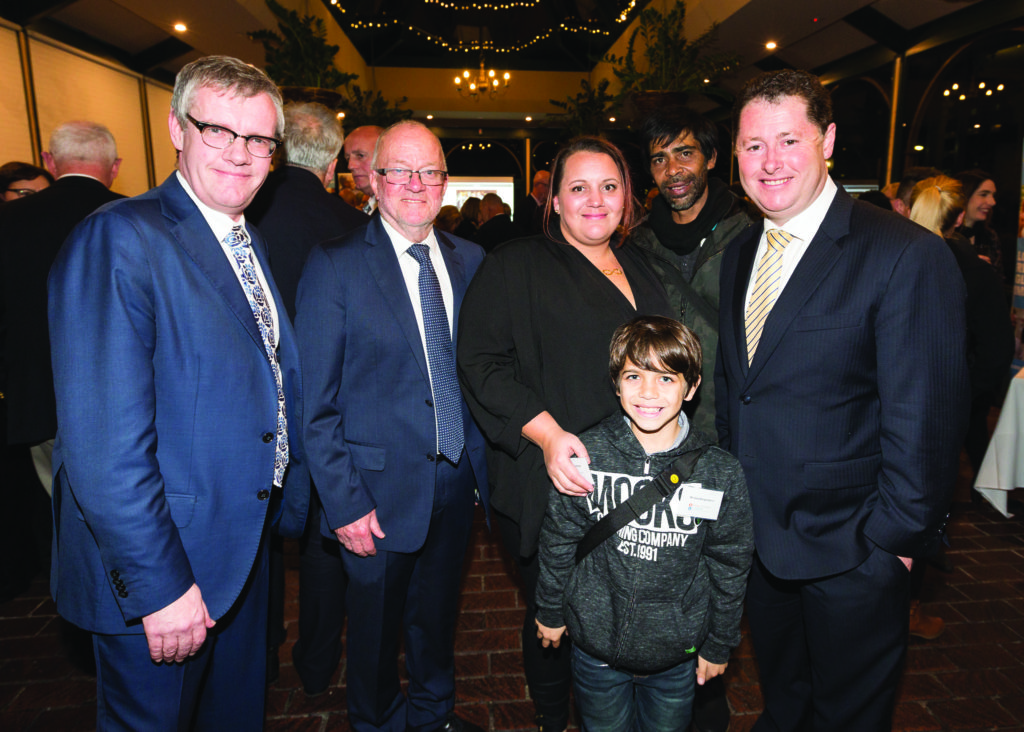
(177, 384)
(393, 451)
(842, 387)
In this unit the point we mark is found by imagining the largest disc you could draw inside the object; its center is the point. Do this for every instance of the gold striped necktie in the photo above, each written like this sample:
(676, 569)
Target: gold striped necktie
(766, 288)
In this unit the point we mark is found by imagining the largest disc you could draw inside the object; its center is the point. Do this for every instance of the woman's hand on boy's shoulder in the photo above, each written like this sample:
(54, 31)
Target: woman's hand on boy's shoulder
(549, 636)
(707, 670)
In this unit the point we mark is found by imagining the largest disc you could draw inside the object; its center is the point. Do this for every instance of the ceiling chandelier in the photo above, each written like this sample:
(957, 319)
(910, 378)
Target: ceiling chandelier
(486, 83)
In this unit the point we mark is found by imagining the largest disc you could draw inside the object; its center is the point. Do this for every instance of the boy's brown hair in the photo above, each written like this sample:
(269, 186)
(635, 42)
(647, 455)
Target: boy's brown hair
(657, 344)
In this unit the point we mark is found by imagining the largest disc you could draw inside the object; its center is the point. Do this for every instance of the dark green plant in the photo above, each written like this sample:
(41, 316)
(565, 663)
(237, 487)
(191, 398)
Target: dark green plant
(668, 61)
(585, 113)
(371, 108)
(299, 54)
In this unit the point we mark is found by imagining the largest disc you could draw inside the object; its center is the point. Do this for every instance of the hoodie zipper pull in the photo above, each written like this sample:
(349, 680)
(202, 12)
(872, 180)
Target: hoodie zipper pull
(647, 465)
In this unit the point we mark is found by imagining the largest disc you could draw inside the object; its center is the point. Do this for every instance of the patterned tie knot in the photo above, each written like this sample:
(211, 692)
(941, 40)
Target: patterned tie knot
(421, 253)
(778, 239)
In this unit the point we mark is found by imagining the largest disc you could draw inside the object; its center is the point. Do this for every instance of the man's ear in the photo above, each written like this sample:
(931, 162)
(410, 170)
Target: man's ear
(50, 164)
(713, 160)
(329, 175)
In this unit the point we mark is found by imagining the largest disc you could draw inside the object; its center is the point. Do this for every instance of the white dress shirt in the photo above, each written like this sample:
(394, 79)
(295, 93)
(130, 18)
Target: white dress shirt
(802, 228)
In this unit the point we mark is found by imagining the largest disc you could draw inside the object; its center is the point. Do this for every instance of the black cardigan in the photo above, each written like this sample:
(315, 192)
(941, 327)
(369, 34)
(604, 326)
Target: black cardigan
(534, 331)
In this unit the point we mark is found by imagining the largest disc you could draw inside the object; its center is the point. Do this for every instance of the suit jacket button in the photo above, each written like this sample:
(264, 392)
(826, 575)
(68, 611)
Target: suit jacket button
(263, 494)
(428, 403)
(122, 593)
(745, 398)
(268, 436)
(431, 457)
(114, 573)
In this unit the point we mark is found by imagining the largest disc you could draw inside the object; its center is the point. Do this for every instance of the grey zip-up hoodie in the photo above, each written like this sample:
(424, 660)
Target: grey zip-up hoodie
(665, 587)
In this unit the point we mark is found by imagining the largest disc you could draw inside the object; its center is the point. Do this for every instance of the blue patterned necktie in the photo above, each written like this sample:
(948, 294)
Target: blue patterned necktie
(447, 398)
(241, 253)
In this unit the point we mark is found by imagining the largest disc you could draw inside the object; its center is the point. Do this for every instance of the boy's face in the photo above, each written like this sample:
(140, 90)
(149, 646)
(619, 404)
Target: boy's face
(652, 400)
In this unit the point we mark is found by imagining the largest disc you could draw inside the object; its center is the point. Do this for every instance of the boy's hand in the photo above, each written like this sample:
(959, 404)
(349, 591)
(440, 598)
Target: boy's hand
(707, 670)
(549, 636)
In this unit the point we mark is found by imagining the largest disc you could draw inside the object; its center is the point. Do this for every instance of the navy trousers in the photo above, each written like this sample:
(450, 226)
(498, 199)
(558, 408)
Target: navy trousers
(222, 687)
(394, 596)
(830, 651)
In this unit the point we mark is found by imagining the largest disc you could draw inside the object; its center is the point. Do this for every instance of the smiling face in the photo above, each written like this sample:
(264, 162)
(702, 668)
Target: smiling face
(652, 400)
(781, 156)
(680, 171)
(225, 180)
(410, 207)
(981, 203)
(590, 199)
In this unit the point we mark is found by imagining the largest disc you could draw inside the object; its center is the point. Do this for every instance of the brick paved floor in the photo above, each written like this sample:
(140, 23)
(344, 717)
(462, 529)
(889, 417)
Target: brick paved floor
(972, 678)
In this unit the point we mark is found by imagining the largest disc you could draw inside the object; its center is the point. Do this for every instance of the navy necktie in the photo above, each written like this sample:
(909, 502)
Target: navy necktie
(241, 252)
(447, 398)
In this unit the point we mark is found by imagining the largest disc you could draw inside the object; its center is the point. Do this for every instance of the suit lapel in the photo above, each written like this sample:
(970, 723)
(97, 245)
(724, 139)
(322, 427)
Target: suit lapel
(384, 266)
(746, 249)
(456, 267)
(822, 254)
(193, 235)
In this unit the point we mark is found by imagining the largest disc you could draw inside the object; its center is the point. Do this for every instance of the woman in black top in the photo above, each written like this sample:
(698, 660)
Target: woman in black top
(534, 330)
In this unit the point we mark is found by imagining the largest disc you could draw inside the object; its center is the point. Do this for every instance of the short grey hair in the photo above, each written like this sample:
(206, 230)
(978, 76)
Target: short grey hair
(401, 126)
(312, 136)
(224, 74)
(80, 141)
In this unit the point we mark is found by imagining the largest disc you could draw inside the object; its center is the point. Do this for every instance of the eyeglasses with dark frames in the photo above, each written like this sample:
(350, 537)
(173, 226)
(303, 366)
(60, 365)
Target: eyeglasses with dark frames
(21, 192)
(220, 137)
(401, 176)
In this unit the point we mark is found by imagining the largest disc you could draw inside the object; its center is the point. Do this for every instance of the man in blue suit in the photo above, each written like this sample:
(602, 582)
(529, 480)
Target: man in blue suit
(177, 384)
(393, 451)
(842, 388)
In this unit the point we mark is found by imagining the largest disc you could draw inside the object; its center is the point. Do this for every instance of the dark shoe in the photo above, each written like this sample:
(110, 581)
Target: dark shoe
(457, 724)
(924, 626)
(710, 707)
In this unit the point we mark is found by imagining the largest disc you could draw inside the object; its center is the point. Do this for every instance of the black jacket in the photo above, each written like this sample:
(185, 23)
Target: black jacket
(32, 230)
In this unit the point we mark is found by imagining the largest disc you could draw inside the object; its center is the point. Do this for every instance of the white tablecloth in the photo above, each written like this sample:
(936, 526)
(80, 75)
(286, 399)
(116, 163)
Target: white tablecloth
(1002, 470)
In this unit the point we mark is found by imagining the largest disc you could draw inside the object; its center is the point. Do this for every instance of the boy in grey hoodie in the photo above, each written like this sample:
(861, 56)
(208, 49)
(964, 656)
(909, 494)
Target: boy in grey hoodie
(655, 608)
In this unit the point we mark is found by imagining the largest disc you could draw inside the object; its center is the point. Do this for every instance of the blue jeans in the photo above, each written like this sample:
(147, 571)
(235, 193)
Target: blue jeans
(616, 701)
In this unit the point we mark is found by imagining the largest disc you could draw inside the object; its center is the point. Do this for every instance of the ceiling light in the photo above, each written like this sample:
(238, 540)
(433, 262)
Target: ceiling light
(919, 148)
(430, 116)
(771, 45)
(999, 88)
(981, 85)
(963, 97)
(341, 115)
(945, 93)
(955, 87)
(180, 27)
(529, 119)
(611, 119)
(977, 127)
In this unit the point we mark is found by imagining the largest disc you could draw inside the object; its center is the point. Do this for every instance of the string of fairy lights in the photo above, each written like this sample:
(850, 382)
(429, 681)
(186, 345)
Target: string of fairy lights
(475, 46)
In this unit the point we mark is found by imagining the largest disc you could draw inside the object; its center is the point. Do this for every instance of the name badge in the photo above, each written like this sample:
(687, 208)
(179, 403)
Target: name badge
(698, 502)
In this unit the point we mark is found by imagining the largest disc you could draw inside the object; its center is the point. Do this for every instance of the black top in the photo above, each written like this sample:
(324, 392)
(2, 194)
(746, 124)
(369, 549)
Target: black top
(32, 230)
(534, 331)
